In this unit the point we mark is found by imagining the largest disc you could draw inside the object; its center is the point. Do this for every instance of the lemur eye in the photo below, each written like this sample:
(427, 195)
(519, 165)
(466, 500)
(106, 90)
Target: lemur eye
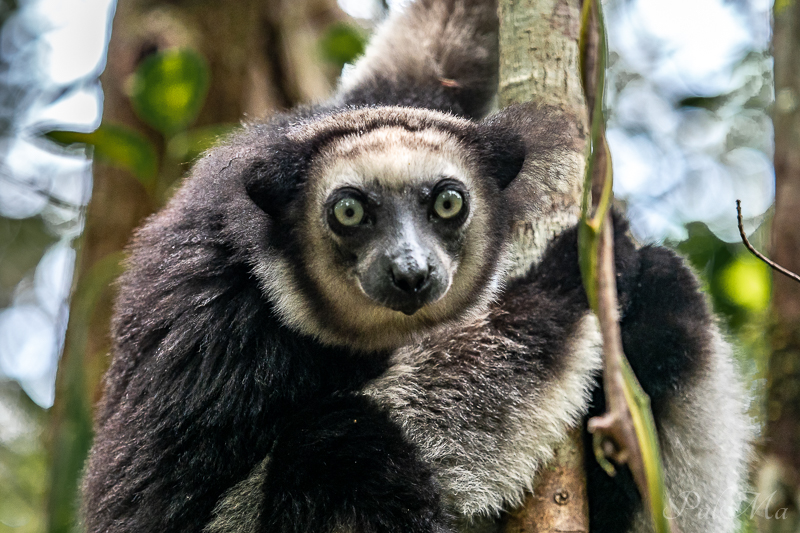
(348, 211)
(448, 204)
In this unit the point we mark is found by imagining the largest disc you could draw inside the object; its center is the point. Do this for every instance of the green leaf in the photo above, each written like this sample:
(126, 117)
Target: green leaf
(342, 43)
(119, 146)
(169, 89)
(781, 6)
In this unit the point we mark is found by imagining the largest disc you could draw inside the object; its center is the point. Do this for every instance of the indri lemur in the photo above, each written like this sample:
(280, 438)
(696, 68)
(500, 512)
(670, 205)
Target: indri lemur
(319, 333)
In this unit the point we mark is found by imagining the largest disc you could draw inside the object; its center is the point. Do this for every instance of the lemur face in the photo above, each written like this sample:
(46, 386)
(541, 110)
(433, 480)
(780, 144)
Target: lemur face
(403, 243)
(397, 231)
(395, 212)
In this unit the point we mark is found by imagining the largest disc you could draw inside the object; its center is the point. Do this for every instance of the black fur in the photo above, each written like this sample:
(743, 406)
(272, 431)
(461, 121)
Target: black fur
(449, 69)
(343, 462)
(431, 95)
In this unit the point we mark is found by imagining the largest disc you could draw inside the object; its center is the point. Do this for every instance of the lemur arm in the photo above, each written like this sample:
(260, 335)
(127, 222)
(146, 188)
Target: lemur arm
(340, 466)
(435, 54)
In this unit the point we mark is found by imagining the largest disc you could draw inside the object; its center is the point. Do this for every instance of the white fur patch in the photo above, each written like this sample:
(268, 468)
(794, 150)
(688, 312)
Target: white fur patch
(364, 119)
(397, 157)
(486, 464)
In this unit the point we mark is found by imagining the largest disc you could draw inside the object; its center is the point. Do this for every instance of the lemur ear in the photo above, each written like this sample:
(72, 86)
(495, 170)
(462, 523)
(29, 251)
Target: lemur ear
(273, 183)
(502, 151)
(526, 132)
(266, 192)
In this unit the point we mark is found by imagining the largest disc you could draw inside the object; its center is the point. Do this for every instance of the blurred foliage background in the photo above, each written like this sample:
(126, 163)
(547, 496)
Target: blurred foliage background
(690, 88)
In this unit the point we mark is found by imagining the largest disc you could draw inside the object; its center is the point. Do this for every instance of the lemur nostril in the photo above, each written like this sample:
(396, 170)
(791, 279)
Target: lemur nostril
(410, 281)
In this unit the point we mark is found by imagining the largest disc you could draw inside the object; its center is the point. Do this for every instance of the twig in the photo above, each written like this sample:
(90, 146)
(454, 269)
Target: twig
(755, 252)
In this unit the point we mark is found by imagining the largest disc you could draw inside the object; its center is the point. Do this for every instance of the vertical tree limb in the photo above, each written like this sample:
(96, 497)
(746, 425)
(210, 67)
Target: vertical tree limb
(559, 502)
(539, 62)
(779, 474)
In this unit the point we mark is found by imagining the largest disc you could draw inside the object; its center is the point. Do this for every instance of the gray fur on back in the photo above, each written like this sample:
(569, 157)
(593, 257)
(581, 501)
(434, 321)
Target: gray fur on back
(705, 443)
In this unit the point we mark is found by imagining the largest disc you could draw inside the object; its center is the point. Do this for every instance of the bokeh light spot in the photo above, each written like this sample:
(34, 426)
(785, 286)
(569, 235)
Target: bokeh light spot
(746, 282)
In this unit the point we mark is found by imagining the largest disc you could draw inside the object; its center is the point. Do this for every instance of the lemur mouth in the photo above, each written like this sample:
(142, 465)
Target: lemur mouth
(408, 304)
(409, 308)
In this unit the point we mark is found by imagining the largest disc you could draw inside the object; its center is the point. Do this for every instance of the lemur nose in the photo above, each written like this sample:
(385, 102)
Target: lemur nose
(410, 279)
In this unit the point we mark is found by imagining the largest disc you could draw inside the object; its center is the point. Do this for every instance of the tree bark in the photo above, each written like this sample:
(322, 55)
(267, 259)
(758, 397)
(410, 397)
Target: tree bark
(539, 62)
(780, 472)
(559, 502)
(262, 57)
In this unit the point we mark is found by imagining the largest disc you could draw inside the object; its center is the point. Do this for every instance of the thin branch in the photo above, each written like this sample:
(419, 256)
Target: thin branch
(626, 432)
(773, 264)
(616, 423)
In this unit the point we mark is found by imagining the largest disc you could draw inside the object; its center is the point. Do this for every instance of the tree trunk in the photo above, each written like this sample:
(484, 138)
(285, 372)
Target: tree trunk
(262, 58)
(780, 472)
(539, 62)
